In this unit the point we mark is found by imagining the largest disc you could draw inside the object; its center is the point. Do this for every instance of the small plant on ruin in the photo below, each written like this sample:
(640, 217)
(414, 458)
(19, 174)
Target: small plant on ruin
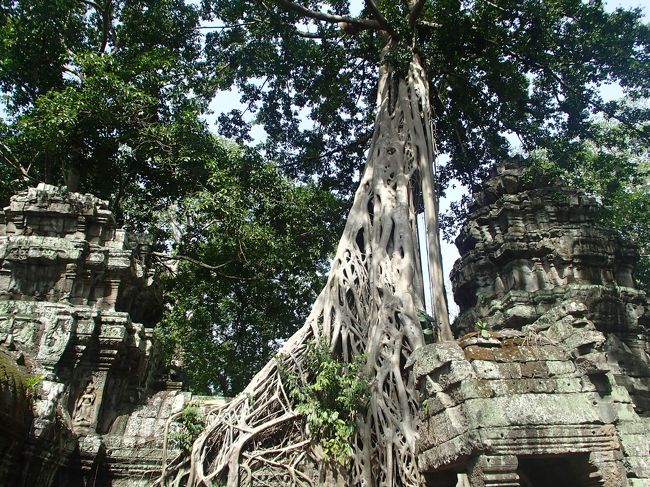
(428, 324)
(483, 329)
(32, 382)
(190, 425)
(329, 394)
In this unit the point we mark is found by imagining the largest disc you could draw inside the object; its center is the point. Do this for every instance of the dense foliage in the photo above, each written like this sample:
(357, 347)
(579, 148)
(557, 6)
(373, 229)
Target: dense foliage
(267, 241)
(188, 426)
(329, 395)
(110, 97)
(102, 96)
(521, 69)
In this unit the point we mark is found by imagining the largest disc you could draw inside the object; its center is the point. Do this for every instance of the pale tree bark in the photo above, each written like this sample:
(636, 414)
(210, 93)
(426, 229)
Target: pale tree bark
(434, 253)
(369, 306)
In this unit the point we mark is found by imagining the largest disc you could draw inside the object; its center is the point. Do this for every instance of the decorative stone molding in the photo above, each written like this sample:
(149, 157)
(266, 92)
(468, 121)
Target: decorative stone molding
(561, 382)
(71, 285)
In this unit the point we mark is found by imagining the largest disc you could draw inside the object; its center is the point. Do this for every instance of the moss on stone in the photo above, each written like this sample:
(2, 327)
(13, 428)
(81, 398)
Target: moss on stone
(14, 399)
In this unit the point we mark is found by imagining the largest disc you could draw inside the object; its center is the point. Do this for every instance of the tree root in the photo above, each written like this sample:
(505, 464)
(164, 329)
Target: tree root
(368, 307)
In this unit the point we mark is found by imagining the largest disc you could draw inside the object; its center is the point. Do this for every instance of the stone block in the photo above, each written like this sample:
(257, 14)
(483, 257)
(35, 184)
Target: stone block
(550, 353)
(532, 409)
(133, 426)
(556, 367)
(534, 386)
(620, 394)
(493, 471)
(452, 373)
(626, 413)
(519, 314)
(635, 445)
(428, 358)
(26, 334)
(474, 388)
(449, 452)
(444, 426)
(475, 352)
(534, 370)
(515, 354)
(56, 337)
(496, 370)
(639, 467)
(437, 402)
(580, 338)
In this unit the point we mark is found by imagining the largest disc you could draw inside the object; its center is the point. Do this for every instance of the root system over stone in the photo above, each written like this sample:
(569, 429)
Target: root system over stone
(368, 307)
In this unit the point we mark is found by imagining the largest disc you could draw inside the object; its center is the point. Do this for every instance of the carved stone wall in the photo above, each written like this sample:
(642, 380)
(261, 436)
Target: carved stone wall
(557, 392)
(548, 383)
(80, 369)
(530, 244)
(529, 408)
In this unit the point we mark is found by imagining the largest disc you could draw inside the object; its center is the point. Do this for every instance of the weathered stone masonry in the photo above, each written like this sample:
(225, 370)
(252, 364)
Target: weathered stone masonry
(557, 393)
(82, 400)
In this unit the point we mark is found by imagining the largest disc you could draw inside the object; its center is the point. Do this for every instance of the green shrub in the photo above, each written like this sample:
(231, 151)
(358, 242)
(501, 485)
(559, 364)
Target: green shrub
(329, 395)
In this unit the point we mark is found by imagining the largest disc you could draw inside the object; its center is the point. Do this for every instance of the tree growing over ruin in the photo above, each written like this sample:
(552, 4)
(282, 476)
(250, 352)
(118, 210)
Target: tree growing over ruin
(480, 70)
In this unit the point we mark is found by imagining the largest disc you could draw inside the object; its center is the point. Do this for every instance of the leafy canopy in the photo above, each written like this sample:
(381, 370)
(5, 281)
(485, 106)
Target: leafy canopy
(267, 240)
(109, 97)
(102, 96)
(525, 69)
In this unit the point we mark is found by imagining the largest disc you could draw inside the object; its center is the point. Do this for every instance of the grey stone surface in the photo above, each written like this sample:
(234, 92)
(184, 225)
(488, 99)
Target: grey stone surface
(561, 383)
(77, 308)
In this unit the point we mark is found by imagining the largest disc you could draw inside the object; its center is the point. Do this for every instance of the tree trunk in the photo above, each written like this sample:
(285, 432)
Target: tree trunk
(434, 254)
(369, 306)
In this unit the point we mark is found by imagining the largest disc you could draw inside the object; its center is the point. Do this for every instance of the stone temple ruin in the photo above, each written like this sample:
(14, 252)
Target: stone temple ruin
(558, 393)
(548, 383)
(82, 397)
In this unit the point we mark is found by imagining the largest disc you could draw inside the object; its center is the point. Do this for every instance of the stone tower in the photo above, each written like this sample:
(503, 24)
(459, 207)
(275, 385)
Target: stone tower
(82, 399)
(549, 380)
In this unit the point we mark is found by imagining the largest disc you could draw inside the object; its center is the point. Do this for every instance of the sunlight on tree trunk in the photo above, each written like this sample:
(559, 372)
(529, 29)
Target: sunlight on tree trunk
(369, 306)
(434, 253)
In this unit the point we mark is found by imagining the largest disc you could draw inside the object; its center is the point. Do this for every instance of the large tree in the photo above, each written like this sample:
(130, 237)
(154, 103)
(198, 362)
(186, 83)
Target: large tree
(482, 70)
(101, 96)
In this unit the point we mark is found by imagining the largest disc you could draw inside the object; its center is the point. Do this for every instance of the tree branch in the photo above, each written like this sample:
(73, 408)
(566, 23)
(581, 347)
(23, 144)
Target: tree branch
(376, 13)
(432, 25)
(93, 4)
(13, 162)
(186, 258)
(228, 26)
(331, 18)
(362, 139)
(74, 72)
(310, 35)
(106, 24)
(416, 11)
(213, 268)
